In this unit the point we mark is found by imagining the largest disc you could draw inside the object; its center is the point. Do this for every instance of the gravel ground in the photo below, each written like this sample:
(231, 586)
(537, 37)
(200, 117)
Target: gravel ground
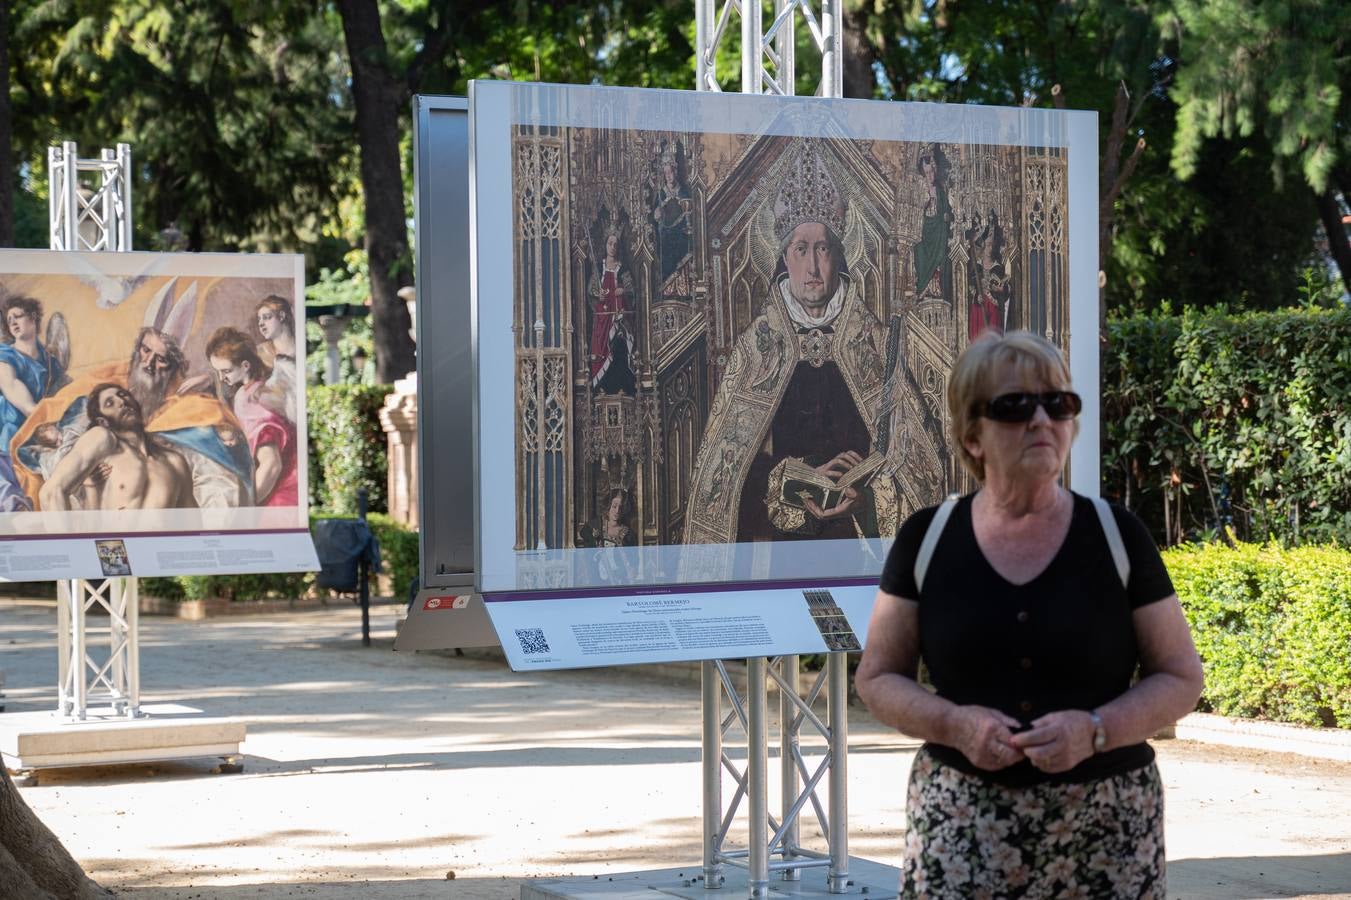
(373, 774)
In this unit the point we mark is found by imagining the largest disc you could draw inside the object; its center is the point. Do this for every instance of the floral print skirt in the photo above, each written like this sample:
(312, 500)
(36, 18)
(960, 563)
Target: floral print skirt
(969, 839)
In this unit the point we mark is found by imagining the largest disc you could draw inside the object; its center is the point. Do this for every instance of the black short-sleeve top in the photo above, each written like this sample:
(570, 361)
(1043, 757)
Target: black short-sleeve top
(1064, 640)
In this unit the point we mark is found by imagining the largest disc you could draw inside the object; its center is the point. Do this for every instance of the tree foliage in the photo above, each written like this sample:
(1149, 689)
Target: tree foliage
(1278, 68)
(244, 119)
(233, 110)
(1276, 72)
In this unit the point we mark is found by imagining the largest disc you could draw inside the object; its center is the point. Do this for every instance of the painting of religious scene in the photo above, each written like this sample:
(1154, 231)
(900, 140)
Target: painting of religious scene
(148, 402)
(732, 338)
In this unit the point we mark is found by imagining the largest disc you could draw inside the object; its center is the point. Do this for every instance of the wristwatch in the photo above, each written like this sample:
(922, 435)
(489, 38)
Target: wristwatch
(1099, 732)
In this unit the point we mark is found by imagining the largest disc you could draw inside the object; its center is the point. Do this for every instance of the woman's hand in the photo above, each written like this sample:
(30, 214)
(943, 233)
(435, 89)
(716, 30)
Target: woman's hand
(985, 736)
(1058, 741)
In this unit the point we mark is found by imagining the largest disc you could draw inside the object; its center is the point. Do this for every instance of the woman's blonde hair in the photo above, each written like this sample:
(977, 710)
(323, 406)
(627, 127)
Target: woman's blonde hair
(972, 384)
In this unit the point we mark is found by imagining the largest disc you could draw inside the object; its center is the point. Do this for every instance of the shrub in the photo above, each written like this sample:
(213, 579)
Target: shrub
(1273, 627)
(398, 551)
(347, 446)
(1213, 421)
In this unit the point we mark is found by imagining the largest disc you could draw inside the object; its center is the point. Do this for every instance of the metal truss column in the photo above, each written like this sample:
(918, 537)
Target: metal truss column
(769, 53)
(789, 752)
(94, 214)
(773, 846)
(757, 779)
(777, 45)
(837, 678)
(82, 677)
(711, 686)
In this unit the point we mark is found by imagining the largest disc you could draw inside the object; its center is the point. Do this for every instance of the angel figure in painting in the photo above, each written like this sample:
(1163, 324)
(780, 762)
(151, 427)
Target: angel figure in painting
(277, 327)
(29, 371)
(611, 297)
(242, 380)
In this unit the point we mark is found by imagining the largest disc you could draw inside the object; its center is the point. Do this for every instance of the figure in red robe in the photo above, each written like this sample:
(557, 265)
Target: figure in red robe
(611, 294)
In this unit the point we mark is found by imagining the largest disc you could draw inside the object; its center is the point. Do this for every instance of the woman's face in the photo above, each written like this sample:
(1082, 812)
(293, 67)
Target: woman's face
(21, 324)
(1022, 453)
(611, 245)
(616, 508)
(269, 323)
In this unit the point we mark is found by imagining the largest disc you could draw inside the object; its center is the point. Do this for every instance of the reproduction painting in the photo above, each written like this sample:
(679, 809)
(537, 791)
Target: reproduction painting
(732, 318)
(150, 394)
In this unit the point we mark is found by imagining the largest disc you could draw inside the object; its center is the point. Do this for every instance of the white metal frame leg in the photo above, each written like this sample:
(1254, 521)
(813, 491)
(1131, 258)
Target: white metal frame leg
(711, 684)
(82, 677)
(774, 846)
(789, 752)
(838, 678)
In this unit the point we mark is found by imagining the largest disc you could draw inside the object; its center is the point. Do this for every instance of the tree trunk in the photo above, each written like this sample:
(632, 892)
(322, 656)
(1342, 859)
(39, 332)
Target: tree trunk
(859, 54)
(1115, 174)
(33, 864)
(6, 136)
(378, 95)
(1330, 212)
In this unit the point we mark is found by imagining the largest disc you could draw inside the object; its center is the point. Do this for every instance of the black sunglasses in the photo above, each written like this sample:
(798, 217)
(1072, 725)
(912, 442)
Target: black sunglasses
(1022, 406)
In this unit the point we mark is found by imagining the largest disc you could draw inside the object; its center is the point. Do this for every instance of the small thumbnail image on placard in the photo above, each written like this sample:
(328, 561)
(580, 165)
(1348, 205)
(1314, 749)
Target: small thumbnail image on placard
(830, 621)
(113, 557)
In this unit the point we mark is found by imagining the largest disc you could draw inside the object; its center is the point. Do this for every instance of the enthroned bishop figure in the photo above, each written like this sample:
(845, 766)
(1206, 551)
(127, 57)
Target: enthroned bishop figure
(789, 451)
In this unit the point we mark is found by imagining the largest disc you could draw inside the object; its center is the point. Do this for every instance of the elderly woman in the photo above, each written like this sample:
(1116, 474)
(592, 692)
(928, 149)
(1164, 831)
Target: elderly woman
(1035, 779)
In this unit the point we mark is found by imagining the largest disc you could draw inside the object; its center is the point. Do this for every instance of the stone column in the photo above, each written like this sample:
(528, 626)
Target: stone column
(333, 329)
(398, 417)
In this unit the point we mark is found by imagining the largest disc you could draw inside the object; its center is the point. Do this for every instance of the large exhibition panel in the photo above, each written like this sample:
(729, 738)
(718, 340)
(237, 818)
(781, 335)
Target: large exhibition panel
(712, 336)
(152, 415)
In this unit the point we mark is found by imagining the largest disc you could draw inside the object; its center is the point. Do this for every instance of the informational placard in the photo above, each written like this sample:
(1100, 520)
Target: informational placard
(713, 331)
(647, 626)
(152, 415)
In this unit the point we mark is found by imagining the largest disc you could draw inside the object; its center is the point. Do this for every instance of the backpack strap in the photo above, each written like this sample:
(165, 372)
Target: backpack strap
(926, 546)
(1114, 542)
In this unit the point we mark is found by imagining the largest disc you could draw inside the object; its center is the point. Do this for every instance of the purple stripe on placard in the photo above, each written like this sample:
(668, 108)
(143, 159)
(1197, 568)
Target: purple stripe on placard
(657, 590)
(99, 535)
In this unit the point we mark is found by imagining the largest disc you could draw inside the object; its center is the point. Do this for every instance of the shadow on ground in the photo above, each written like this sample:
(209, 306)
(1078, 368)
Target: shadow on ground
(1261, 877)
(415, 889)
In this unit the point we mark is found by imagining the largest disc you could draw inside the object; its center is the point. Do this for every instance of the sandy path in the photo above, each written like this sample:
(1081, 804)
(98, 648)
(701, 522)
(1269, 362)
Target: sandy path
(372, 774)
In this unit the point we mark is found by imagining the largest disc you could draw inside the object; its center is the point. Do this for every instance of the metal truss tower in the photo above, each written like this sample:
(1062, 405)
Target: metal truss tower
(89, 200)
(90, 209)
(769, 54)
(769, 66)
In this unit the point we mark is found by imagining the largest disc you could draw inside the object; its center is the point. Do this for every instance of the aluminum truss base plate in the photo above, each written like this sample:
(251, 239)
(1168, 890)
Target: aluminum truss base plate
(867, 881)
(37, 740)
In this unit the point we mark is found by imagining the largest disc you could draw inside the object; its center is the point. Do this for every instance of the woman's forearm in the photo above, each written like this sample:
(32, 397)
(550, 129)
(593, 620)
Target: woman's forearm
(1153, 703)
(1171, 679)
(905, 705)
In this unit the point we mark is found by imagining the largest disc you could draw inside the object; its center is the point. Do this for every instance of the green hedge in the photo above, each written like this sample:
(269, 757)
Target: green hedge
(1214, 421)
(398, 551)
(347, 446)
(1273, 627)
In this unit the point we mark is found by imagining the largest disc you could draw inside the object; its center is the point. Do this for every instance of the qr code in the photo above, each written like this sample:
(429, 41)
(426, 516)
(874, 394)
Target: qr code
(532, 640)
